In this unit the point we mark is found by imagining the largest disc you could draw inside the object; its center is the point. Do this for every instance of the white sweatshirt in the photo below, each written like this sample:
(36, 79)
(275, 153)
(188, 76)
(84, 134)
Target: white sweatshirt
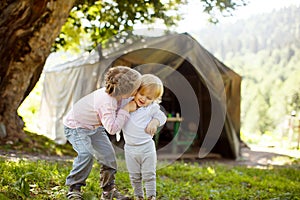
(134, 129)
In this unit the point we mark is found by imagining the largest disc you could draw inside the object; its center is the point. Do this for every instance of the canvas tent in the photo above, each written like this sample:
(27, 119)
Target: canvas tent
(198, 87)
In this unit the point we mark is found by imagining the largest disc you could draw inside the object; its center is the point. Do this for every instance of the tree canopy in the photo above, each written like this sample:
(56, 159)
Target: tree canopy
(97, 21)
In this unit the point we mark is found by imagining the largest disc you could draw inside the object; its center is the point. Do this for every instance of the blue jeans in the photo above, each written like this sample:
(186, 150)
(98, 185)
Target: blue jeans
(90, 144)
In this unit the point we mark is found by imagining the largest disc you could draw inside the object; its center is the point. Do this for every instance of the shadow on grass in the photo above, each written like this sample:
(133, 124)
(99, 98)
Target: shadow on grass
(35, 144)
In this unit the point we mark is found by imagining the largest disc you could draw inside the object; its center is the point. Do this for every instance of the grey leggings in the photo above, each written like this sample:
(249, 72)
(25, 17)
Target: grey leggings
(141, 164)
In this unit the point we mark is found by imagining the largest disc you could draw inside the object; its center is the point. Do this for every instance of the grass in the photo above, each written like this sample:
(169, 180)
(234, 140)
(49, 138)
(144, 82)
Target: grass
(45, 180)
(26, 179)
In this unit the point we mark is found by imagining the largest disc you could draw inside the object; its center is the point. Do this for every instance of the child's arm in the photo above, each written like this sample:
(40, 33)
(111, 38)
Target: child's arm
(158, 119)
(113, 120)
(130, 107)
(152, 127)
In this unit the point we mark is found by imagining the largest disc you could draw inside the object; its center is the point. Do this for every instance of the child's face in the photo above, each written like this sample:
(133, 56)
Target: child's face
(144, 98)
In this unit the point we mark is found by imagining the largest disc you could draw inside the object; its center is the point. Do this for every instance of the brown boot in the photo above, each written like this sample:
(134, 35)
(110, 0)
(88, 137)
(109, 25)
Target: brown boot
(113, 194)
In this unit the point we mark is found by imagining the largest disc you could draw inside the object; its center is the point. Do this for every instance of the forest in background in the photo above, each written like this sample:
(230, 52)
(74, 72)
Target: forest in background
(265, 50)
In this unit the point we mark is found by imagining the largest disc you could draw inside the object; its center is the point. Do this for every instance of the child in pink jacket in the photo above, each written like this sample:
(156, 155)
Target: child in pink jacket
(86, 127)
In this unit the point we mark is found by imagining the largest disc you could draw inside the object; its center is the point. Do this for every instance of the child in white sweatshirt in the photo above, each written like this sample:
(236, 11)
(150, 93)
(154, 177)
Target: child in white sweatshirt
(140, 151)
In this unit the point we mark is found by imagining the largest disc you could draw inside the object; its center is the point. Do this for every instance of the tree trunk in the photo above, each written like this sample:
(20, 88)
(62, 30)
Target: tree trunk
(28, 29)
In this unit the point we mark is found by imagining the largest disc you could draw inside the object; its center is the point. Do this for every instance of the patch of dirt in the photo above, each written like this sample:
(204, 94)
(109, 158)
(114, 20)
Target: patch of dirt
(16, 155)
(254, 156)
(250, 156)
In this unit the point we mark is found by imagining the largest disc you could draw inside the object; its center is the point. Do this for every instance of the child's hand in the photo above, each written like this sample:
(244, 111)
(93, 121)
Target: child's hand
(130, 107)
(152, 127)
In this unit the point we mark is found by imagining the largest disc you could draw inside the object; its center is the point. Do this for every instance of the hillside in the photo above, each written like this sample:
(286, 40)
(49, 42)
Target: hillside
(265, 50)
(277, 30)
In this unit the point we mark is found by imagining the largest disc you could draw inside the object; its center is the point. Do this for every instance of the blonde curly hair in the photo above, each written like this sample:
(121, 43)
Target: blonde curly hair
(150, 82)
(121, 80)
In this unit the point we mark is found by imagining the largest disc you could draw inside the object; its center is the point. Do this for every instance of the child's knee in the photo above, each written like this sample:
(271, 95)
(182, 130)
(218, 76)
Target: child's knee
(149, 176)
